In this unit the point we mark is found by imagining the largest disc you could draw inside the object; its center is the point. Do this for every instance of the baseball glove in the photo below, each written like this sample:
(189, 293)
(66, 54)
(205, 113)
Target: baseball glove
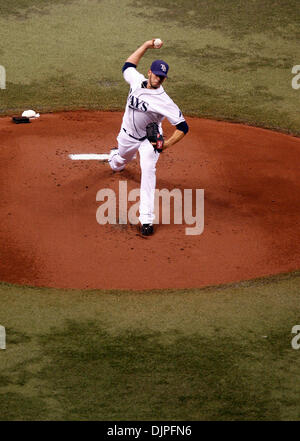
(20, 119)
(153, 135)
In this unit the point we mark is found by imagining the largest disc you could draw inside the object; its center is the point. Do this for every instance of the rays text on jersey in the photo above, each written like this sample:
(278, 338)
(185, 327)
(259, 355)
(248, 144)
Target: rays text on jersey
(137, 104)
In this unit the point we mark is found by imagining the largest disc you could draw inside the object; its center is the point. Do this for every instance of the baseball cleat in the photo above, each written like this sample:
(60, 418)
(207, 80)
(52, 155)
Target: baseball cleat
(147, 229)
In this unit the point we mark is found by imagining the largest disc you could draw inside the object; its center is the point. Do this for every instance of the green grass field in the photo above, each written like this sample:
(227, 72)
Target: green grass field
(212, 354)
(228, 60)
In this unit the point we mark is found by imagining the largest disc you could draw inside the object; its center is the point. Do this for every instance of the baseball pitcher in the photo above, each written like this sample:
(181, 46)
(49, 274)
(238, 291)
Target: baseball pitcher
(141, 130)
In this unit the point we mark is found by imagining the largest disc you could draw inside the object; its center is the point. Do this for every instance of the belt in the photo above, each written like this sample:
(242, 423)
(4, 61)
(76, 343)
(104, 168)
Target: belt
(138, 139)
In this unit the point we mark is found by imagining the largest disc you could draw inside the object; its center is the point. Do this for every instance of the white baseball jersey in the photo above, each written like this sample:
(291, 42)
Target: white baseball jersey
(146, 105)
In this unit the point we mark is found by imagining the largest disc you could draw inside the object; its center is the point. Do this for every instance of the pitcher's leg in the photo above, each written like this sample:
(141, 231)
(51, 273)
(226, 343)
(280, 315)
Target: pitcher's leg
(116, 162)
(125, 153)
(148, 160)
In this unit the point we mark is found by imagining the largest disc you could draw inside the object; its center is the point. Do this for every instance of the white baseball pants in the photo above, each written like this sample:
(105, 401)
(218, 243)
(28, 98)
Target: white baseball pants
(127, 148)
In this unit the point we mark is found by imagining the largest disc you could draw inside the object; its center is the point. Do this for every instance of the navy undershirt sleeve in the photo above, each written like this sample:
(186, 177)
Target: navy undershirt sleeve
(126, 65)
(183, 127)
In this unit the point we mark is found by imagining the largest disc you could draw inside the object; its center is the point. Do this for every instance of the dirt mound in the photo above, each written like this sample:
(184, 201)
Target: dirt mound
(50, 237)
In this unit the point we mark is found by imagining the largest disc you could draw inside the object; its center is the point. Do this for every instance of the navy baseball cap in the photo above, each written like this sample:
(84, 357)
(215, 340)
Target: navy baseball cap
(160, 68)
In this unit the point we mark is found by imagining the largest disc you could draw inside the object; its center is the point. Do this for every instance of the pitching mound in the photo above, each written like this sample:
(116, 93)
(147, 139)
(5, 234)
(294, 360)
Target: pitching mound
(50, 236)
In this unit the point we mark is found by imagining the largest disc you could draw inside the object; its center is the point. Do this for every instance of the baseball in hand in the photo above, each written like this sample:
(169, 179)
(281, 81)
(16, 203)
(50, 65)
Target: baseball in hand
(157, 42)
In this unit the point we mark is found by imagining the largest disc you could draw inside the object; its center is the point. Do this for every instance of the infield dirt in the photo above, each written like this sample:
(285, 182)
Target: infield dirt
(48, 206)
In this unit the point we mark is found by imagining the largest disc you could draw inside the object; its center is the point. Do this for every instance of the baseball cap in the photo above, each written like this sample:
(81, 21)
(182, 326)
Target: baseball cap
(160, 68)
